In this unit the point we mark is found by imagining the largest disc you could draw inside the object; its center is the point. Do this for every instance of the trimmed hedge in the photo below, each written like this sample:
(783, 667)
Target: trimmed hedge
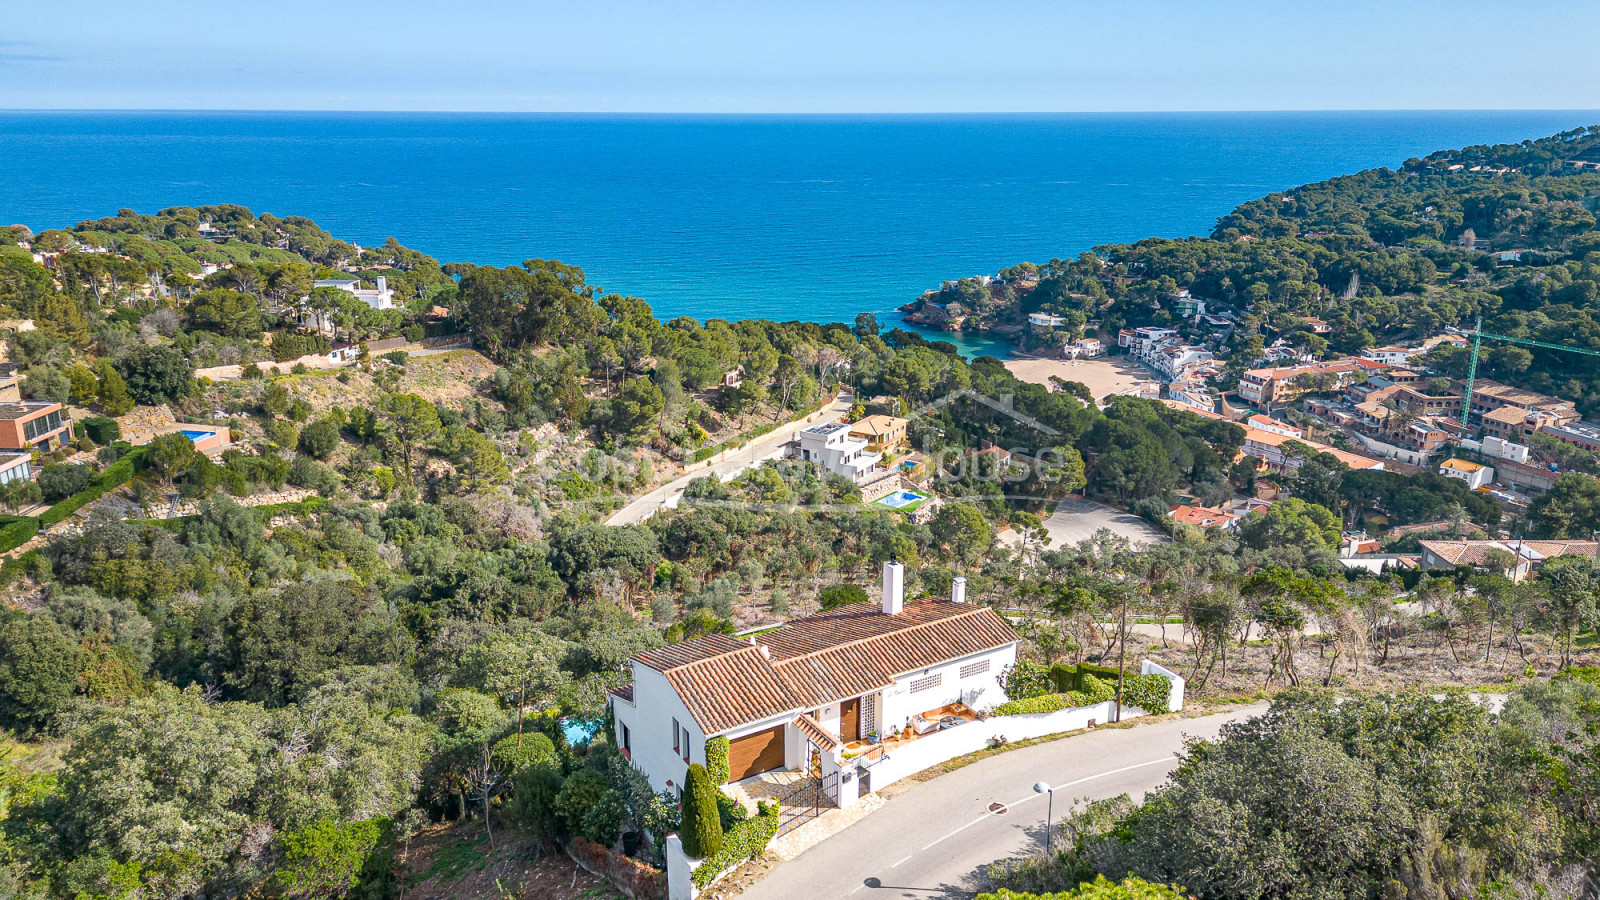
(115, 475)
(702, 820)
(16, 531)
(102, 429)
(746, 841)
(1151, 693)
(1045, 703)
(1071, 678)
(717, 759)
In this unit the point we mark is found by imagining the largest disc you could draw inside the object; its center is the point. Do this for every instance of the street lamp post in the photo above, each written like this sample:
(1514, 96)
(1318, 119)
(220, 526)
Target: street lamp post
(1040, 787)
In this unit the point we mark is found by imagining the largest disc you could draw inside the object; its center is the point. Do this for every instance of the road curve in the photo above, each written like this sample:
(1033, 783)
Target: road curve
(768, 446)
(931, 840)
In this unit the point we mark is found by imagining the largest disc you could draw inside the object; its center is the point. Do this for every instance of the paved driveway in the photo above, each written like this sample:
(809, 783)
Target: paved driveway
(931, 840)
(768, 446)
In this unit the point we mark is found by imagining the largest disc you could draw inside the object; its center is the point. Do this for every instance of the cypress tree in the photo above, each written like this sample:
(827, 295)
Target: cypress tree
(702, 822)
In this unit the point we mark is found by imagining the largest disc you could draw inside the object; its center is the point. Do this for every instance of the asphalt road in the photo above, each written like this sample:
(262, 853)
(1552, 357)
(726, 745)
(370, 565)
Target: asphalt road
(931, 840)
(763, 448)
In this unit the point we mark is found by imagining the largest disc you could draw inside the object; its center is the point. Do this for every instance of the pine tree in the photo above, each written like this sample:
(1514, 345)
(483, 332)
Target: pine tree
(113, 391)
(702, 821)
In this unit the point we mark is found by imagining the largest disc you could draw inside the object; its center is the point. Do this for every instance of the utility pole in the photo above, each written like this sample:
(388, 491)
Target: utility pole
(1122, 653)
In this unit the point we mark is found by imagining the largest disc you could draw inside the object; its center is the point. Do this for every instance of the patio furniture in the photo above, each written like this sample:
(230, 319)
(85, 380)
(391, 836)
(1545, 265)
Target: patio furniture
(923, 726)
(950, 722)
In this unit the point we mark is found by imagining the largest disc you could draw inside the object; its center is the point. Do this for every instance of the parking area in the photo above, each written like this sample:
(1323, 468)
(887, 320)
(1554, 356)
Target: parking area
(1077, 519)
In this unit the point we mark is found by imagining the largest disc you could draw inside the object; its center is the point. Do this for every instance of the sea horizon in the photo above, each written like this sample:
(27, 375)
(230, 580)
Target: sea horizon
(812, 216)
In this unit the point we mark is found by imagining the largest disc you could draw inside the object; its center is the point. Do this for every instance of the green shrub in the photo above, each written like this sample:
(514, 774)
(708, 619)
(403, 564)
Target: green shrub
(717, 759)
(115, 475)
(745, 842)
(582, 790)
(1064, 677)
(325, 858)
(1133, 888)
(1151, 693)
(1044, 703)
(702, 820)
(64, 480)
(533, 800)
(102, 429)
(16, 531)
(1025, 679)
(1097, 690)
(836, 595)
(415, 333)
(535, 749)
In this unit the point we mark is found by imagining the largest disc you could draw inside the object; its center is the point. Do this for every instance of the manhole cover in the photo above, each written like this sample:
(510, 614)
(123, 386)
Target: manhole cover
(998, 809)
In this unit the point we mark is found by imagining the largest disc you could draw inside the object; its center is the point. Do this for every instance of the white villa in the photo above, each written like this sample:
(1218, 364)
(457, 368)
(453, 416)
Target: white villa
(832, 448)
(816, 691)
(381, 298)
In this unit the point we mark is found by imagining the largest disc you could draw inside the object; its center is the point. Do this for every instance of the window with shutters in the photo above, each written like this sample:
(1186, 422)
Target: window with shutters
(677, 737)
(977, 668)
(926, 682)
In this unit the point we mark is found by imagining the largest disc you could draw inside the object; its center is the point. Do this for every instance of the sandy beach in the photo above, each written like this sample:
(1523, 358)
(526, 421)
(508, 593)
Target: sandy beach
(1103, 376)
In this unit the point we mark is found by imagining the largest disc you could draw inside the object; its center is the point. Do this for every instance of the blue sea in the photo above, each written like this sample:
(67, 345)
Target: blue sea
(783, 217)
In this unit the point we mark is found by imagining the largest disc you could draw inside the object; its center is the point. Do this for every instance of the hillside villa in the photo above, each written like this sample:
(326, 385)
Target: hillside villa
(1522, 558)
(33, 425)
(811, 686)
(883, 434)
(832, 448)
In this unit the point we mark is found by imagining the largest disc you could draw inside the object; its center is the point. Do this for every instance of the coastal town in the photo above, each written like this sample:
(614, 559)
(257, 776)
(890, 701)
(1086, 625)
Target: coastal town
(330, 569)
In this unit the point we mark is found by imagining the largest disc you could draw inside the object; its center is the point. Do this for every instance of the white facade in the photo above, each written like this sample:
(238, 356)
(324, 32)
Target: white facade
(1474, 474)
(660, 736)
(830, 447)
(381, 298)
(1499, 448)
(652, 729)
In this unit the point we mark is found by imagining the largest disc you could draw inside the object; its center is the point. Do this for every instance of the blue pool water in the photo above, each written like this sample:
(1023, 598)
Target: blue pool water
(197, 436)
(578, 733)
(902, 499)
(781, 217)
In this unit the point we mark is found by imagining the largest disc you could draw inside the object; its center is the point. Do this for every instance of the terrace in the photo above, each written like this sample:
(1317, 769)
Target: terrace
(923, 724)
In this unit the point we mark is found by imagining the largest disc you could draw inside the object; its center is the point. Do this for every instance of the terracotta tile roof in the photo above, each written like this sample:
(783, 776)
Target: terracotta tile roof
(1202, 516)
(1511, 415)
(625, 692)
(730, 689)
(825, 740)
(692, 651)
(878, 425)
(821, 659)
(1475, 553)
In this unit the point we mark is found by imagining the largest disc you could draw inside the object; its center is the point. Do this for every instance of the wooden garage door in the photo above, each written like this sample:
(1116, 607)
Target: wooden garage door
(755, 753)
(850, 720)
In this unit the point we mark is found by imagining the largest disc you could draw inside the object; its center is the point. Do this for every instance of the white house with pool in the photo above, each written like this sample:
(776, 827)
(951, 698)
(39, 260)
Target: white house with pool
(841, 685)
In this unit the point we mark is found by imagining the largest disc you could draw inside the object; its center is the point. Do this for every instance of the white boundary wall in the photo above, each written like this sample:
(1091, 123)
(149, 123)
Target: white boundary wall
(934, 749)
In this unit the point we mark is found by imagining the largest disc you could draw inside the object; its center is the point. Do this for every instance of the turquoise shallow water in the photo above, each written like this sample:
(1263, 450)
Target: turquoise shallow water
(784, 217)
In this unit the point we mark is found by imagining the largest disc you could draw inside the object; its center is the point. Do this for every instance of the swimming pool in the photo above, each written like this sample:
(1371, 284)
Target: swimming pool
(578, 733)
(197, 436)
(907, 465)
(902, 499)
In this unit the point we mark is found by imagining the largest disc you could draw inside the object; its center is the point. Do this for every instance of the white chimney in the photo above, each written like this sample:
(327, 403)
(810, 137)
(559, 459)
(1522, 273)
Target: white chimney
(894, 587)
(958, 589)
(766, 651)
(383, 284)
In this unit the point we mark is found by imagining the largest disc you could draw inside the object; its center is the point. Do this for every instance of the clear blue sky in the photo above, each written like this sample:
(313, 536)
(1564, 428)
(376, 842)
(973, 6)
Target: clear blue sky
(805, 56)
